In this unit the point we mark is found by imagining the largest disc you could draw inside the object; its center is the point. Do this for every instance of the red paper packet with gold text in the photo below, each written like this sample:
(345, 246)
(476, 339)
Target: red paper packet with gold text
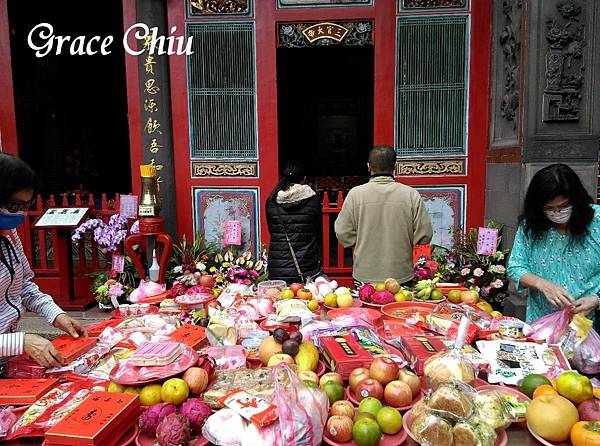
(250, 407)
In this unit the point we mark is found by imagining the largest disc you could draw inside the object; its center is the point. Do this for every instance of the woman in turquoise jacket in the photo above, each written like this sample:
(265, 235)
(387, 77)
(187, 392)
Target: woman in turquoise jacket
(556, 252)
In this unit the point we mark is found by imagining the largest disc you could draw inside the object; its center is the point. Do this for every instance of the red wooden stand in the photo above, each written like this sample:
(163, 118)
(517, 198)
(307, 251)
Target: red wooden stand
(66, 298)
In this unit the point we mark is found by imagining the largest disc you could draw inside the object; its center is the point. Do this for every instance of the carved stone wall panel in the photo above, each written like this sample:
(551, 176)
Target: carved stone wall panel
(506, 73)
(563, 80)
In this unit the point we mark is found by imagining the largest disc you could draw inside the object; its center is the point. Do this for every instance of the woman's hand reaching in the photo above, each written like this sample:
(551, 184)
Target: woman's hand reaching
(42, 351)
(556, 295)
(585, 305)
(70, 326)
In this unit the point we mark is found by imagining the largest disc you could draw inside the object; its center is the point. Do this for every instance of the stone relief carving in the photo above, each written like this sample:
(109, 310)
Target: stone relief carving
(510, 42)
(565, 64)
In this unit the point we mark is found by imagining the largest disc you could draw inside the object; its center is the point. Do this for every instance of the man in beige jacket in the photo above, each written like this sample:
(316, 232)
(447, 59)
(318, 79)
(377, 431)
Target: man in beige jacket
(383, 220)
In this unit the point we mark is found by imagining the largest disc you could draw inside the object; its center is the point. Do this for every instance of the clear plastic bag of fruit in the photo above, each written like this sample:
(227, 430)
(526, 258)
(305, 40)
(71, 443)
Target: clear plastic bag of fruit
(583, 345)
(302, 413)
(446, 367)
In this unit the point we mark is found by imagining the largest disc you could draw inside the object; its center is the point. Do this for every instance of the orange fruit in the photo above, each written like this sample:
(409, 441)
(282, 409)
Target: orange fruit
(544, 389)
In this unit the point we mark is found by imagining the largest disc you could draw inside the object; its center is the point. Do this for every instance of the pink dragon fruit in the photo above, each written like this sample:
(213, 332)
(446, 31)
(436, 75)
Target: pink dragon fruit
(422, 274)
(197, 411)
(366, 292)
(151, 417)
(174, 430)
(382, 297)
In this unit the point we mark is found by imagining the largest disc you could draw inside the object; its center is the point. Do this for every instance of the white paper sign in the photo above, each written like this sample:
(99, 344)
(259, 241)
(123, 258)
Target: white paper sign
(62, 217)
(128, 207)
(118, 263)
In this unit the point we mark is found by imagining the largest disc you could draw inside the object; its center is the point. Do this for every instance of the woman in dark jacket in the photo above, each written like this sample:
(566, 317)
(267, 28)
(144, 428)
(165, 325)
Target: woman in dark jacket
(295, 208)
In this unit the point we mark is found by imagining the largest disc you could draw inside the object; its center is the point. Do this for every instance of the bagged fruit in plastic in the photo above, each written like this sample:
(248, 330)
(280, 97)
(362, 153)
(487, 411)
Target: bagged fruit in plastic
(224, 428)
(585, 345)
(445, 367)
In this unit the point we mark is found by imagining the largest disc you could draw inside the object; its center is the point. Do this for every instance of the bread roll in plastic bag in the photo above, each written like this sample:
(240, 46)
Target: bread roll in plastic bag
(473, 432)
(445, 367)
(431, 429)
(453, 401)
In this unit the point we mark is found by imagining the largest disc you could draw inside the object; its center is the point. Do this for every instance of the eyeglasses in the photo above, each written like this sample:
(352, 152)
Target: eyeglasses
(18, 205)
(557, 208)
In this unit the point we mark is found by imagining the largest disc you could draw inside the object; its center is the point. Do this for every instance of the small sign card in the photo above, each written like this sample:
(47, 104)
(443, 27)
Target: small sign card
(487, 241)
(421, 251)
(118, 263)
(128, 207)
(65, 217)
(232, 232)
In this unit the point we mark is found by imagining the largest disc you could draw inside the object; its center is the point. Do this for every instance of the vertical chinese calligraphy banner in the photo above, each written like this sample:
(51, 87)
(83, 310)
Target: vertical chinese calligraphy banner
(155, 109)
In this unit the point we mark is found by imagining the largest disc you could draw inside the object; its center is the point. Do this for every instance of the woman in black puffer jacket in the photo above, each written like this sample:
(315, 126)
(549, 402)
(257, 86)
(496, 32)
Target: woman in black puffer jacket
(298, 207)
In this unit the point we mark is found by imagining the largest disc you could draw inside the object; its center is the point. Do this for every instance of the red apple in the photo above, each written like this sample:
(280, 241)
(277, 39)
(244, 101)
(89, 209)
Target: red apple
(331, 376)
(342, 407)
(368, 387)
(295, 287)
(411, 379)
(356, 376)
(589, 410)
(339, 428)
(397, 394)
(384, 370)
(207, 280)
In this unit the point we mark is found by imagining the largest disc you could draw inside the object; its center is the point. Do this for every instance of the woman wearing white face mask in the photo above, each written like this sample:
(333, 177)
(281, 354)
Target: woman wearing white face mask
(17, 291)
(556, 252)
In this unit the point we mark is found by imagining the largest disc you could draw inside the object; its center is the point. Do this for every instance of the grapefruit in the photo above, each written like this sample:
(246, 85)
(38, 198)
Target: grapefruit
(532, 382)
(551, 417)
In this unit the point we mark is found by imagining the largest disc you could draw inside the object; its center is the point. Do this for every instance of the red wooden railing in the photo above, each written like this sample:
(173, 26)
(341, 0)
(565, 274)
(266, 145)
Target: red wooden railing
(337, 261)
(41, 245)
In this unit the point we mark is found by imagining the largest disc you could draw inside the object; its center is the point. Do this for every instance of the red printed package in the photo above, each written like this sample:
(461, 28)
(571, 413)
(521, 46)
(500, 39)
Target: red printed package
(72, 348)
(344, 354)
(417, 349)
(52, 407)
(250, 407)
(23, 367)
(24, 391)
(100, 420)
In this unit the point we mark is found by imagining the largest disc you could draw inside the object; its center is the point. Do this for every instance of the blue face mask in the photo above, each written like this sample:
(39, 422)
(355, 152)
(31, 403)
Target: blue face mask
(10, 220)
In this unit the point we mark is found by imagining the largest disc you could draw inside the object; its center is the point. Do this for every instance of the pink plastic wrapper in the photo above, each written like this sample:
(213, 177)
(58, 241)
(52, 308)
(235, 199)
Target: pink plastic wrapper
(227, 357)
(7, 420)
(550, 328)
(128, 374)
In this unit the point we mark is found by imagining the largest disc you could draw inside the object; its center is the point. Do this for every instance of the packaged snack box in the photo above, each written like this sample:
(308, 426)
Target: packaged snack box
(24, 391)
(100, 420)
